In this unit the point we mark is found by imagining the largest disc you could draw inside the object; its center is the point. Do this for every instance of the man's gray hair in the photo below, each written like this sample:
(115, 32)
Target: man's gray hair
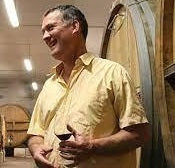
(69, 14)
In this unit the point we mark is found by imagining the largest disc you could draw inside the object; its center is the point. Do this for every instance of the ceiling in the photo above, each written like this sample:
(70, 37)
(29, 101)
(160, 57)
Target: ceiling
(16, 44)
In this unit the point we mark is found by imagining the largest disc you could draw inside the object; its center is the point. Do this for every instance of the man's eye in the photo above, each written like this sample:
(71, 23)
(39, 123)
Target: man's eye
(50, 28)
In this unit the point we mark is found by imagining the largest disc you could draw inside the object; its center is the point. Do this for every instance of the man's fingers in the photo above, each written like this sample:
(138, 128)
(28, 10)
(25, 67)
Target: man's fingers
(71, 144)
(67, 156)
(70, 150)
(44, 161)
(73, 164)
(47, 150)
(72, 130)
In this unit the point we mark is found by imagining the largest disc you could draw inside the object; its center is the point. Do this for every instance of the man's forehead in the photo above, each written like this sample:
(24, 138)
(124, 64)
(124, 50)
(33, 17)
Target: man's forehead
(57, 15)
(53, 17)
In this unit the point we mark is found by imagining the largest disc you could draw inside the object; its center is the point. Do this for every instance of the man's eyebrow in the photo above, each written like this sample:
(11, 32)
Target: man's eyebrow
(42, 29)
(48, 25)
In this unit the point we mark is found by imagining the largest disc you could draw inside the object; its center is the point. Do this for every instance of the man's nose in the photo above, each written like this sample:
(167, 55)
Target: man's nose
(46, 35)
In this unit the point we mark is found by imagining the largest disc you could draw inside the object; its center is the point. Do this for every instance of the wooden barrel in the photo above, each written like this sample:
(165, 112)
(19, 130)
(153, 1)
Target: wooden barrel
(2, 138)
(2, 131)
(165, 78)
(129, 39)
(17, 122)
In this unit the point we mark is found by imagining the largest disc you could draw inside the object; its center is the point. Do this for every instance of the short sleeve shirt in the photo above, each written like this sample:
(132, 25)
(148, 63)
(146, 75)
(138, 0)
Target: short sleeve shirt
(98, 101)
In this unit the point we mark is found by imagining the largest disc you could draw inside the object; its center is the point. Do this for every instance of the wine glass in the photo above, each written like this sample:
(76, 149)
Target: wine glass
(63, 135)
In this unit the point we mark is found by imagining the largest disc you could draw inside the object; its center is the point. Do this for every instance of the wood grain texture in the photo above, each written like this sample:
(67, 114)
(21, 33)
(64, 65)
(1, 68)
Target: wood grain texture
(133, 46)
(17, 122)
(164, 92)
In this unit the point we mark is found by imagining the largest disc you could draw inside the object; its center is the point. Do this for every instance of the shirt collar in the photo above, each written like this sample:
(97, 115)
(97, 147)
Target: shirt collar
(56, 69)
(85, 59)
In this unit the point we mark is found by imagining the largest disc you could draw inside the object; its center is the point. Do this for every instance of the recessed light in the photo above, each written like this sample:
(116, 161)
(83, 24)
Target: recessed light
(11, 11)
(34, 86)
(28, 64)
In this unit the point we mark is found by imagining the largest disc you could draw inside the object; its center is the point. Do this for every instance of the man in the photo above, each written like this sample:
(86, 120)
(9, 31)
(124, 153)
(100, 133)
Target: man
(90, 97)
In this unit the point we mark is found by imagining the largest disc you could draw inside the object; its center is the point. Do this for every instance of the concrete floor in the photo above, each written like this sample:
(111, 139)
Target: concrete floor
(17, 162)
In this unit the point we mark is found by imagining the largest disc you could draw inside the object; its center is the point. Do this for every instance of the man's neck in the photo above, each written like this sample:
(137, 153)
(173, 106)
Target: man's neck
(67, 71)
(69, 65)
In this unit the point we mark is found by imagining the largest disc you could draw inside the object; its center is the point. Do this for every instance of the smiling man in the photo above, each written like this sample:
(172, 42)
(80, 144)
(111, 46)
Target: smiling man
(92, 98)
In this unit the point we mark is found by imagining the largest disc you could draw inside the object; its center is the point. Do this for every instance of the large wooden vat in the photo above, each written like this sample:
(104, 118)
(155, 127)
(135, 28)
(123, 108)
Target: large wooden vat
(2, 138)
(17, 122)
(165, 78)
(129, 39)
(2, 132)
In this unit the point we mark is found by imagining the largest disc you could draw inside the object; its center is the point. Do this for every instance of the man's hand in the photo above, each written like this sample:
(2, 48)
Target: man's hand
(77, 150)
(39, 151)
(40, 156)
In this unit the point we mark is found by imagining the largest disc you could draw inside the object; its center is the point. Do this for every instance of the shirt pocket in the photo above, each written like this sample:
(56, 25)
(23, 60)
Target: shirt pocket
(88, 110)
(97, 103)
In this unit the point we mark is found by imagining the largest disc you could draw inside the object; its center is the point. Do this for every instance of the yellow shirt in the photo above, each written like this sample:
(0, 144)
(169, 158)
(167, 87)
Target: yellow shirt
(98, 101)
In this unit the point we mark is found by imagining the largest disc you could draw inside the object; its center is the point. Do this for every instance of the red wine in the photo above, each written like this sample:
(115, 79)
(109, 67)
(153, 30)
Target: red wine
(64, 137)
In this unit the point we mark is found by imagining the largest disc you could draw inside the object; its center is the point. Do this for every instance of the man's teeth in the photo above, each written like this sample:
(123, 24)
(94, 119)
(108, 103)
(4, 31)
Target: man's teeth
(52, 43)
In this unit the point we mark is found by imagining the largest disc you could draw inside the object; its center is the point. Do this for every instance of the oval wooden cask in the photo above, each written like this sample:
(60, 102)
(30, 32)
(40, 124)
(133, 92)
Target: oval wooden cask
(2, 138)
(2, 132)
(165, 79)
(17, 122)
(126, 42)
(129, 39)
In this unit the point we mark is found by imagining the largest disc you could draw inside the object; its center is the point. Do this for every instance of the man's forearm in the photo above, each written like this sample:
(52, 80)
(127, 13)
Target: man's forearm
(121, 142)
(34, 142)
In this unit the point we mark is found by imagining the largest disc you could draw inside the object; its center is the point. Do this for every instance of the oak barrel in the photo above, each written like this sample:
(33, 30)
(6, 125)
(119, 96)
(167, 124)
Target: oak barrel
(2, 132)
(129, 39)
(2, 138)
(17, 122)
(165, 78)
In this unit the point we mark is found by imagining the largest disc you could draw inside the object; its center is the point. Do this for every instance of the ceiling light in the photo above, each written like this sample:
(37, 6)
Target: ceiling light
(28, 64)
(11, 11)
(34, 86)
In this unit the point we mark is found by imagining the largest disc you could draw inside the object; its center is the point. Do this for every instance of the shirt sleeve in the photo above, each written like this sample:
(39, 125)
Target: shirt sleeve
(126, 103)
(36, 126)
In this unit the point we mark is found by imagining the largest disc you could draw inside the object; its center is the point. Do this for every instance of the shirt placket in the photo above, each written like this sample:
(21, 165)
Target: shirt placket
(69, 94)
(63, 115)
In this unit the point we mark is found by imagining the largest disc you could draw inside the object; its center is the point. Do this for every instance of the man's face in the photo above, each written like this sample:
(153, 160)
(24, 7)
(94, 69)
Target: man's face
(56, 34)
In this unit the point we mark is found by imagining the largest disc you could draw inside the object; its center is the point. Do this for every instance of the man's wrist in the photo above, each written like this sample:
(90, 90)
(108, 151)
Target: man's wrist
(33, 144)
(33, 148)
(98, 146)
(92, 146)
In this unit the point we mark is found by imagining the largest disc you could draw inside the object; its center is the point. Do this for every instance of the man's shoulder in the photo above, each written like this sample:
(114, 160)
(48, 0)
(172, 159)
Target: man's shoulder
(50, 79)
(107, 63)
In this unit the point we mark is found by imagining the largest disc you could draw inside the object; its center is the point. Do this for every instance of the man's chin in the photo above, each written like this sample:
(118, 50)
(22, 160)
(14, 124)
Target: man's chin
(55, 55)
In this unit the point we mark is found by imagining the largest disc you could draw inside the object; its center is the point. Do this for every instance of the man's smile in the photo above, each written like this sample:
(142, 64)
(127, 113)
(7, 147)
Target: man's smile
(52, 43)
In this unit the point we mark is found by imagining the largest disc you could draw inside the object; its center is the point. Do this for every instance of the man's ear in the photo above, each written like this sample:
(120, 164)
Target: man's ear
(76, 26)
